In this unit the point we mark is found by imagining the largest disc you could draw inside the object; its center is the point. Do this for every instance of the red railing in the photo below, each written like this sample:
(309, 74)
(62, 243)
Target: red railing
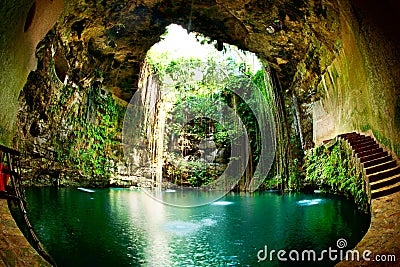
(10, 174)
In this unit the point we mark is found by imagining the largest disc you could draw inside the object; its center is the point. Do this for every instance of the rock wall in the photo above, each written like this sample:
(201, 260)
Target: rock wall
(360, 88)
(340, 53)
(23, 24)
(295, 38)
(70, 134)
(140, 124)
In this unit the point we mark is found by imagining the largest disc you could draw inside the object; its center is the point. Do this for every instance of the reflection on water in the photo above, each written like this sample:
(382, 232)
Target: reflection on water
(181, 228)
(309, 202)
(185, 198)
(222, 203)
(170, 191)
(122, 227)
(185, 228)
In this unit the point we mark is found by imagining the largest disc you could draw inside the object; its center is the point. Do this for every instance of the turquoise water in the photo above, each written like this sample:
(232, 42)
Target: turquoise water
(123, 227)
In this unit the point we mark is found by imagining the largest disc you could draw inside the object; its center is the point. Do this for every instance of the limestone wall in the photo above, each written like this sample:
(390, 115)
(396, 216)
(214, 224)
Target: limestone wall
(23, 24)
(360, 87)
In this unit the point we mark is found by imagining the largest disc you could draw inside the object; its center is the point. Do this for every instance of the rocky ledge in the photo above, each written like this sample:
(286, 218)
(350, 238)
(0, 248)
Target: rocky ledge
(15, 250)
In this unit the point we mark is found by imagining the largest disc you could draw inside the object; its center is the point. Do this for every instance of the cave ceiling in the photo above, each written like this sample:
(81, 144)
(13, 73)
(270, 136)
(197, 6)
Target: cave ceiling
(297, 39)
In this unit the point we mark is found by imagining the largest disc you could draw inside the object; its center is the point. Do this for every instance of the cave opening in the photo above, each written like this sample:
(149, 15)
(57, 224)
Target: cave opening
(192, 86)
(329, 66)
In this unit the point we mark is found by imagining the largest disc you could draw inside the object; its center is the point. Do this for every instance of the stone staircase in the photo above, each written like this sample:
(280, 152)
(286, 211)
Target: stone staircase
(381, 170)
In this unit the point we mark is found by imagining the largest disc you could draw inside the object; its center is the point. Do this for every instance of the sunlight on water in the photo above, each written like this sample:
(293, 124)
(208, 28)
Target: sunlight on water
(170, 191)
(222, 203)
(181, 228)
(208, 222)
(128, 228)
(309, 202)
(185, 228)
(86, 190)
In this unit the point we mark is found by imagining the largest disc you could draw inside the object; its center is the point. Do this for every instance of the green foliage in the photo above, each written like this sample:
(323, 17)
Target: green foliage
(207, 94)
(194, 173)
(273, 183)
(93, 144)
(202, 39)
(332, 170)
(99, 72)
(259, 80)
(294, 182)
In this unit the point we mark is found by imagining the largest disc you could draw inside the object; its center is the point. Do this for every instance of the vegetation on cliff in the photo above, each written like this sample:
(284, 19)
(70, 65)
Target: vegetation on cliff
(332, 170)
(206, 140)
(92, 148)
(70, 132)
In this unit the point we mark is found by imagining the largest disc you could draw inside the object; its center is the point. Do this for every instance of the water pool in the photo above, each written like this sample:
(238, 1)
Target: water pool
(123, 227)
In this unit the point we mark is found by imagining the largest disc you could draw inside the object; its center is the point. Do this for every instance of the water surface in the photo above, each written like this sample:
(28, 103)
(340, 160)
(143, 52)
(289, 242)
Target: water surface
(123, 227)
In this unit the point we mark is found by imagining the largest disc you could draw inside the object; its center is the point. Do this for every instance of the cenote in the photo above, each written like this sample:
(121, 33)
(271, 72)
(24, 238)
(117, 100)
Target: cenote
(125, 227)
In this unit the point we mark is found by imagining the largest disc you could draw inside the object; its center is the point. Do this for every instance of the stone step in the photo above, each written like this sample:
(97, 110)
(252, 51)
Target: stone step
(367, 158)
(363, 141)
(381, 167)
(353, 139)
(356, 136)
(366, 148)
(383, 174)
(353, 136)
(346, 135)
(360, 143)
(360, 139)
(385, 182)
(378, 161)
(363, 144)
(369, 152)
(384, 191)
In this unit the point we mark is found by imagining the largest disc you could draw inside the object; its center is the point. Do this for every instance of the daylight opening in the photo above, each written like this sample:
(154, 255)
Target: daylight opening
(203, 109)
